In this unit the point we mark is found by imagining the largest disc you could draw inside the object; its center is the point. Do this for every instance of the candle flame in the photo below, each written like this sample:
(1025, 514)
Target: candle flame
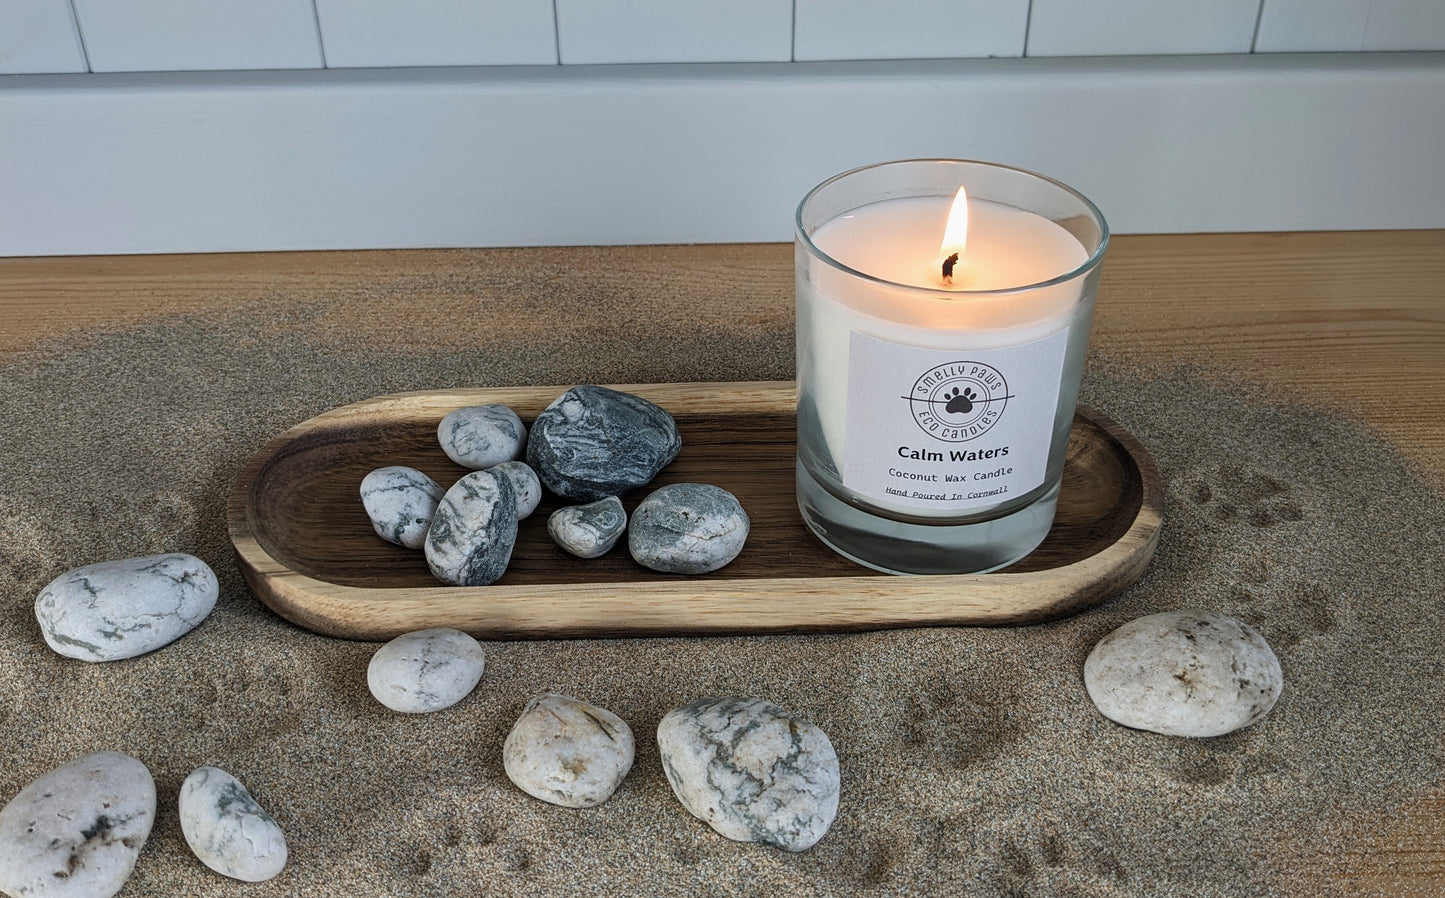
(955, 235)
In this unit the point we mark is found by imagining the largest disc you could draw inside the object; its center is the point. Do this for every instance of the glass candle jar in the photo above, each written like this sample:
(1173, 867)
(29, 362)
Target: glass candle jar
(939, 363)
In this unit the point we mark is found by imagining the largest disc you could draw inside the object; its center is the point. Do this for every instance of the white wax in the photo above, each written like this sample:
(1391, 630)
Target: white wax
(897, 241)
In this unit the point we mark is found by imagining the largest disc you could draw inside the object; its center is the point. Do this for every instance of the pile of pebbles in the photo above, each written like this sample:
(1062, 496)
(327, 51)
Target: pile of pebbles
(590, 446)
(743, 765)
(77, 830)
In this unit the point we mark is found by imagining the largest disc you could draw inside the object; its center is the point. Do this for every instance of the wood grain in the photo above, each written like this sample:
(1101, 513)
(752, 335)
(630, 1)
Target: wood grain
(308, 550)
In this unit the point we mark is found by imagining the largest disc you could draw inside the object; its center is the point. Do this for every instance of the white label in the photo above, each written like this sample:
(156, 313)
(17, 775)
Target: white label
(944, 432)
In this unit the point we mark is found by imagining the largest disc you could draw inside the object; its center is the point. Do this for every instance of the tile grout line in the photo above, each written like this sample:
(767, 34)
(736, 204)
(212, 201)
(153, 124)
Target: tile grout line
(1028, 26)
(557, 31)
(320, 38)
(793, 35)
(79, 34)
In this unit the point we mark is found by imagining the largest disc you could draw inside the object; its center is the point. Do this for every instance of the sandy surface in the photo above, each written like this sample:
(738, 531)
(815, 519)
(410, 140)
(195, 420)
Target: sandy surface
(972, 760)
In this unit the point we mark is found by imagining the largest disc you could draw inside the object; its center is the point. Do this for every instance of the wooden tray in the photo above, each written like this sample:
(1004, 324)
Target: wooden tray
(306, 546)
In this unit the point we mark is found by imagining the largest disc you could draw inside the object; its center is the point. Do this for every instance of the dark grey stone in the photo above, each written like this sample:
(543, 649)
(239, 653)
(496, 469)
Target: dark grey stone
(473, 530)
(592, 442)
(687, 528)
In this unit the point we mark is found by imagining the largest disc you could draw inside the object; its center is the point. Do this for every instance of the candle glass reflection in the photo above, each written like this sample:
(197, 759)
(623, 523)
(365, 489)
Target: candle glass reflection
(934, 411)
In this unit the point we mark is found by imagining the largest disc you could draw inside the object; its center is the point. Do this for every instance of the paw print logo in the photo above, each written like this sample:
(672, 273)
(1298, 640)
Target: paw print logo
(959, 403)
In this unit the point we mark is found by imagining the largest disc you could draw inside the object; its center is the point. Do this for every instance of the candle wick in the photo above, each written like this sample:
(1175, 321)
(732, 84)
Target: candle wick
(948, 268)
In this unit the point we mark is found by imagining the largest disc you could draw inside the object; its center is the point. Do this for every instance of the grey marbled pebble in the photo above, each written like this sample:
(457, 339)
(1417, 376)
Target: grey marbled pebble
(592, 442)
(525, 484)
(591, 530)
(473, 530)
(750, 771)
(76, 831)
(1184, 673)
(400, 502)
(480, 436)
(227, 829)
(426, 670)
(119, 609)
(568, 752)
(687, 528)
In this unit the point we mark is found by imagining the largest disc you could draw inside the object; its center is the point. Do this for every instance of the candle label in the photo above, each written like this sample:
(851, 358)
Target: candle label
(950, 431)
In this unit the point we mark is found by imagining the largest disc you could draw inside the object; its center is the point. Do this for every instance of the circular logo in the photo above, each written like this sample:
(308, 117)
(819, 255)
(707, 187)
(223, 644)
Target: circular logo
(958, 401)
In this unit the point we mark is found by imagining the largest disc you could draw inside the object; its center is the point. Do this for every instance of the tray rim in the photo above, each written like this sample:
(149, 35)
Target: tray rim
(697, 606)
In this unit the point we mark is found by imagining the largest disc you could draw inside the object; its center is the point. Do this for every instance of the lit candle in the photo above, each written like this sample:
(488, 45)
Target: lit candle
(940, 342)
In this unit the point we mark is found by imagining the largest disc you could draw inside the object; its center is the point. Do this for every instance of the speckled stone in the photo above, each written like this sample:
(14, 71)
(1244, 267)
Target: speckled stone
(592, 442)
(588, 531)
(1184, 673)
(687, 528)
(568, 752)
(481, 436)
(473, 530)
(750, 771)
(120, 609)
(227, 829)
(426, 670)
(400, 502)
(525, 484)
(76, 831)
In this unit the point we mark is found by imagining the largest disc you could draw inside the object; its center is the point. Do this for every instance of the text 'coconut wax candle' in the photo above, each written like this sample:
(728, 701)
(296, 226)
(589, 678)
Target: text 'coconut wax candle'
(943, 319)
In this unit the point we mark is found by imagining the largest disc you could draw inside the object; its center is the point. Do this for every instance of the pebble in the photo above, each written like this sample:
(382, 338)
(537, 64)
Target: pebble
(591, 530)
(120, 609)
(568, 752)
(687, 528)
(400, 502)
(1184, 673)
(76, 831)
(473, 530)
(592, 442)
(426, 670)
(750, 771)
(227, 829)
(481, 436)
(525, 484)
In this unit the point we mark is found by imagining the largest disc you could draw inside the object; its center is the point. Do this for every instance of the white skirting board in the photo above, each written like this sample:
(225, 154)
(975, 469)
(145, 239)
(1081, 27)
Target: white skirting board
(559, 155)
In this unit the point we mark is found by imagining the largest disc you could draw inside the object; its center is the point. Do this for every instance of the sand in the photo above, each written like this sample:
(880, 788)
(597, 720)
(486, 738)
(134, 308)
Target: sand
(972, 760)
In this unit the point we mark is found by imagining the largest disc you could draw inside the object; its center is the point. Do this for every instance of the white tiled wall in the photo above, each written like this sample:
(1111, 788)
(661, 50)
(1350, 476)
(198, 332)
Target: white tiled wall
(1406, 25)
(181, 35)
(39, 36)
(908, 29)
(375, 33)
(607, 31)
(1136, 27)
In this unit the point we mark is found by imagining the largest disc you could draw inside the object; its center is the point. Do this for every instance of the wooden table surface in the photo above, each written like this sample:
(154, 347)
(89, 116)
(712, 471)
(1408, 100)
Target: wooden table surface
(1355, 321)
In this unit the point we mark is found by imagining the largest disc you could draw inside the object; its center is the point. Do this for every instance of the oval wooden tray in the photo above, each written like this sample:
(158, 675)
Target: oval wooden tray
(306, 546)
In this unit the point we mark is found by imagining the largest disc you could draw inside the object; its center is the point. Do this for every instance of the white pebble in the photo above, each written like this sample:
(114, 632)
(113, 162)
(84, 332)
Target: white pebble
(227, 829)
(76, 831)
(400, 502)
(120, 609)
(750, 771)
(480, 436)
(568, 752)
(427, 670)
(1184, 673)
(591, 530)
(524, 483)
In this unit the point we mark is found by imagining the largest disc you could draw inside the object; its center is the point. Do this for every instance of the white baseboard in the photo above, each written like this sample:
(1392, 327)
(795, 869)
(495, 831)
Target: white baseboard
(341, 159)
